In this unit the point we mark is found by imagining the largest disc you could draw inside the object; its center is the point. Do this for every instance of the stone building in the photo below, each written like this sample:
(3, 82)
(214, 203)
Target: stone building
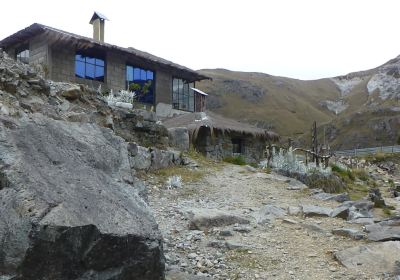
(218, 137)
(67, 57)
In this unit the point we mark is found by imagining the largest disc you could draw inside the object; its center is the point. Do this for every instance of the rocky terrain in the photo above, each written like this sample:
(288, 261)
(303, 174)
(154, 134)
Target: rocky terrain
(359, 109)
(242, 223)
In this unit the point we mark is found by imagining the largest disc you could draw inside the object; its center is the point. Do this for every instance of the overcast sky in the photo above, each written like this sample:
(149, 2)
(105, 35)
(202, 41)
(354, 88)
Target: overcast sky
(304, 39)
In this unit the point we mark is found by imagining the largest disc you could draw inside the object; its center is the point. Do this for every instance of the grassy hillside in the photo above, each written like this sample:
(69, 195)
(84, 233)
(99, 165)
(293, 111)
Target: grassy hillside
(367, 113)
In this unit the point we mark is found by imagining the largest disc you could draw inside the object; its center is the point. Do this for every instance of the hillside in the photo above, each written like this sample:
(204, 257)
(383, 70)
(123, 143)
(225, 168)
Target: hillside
(357, 109)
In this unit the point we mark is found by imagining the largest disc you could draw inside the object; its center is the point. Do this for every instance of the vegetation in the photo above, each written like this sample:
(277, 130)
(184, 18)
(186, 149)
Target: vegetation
(346, 174)
(238, 160)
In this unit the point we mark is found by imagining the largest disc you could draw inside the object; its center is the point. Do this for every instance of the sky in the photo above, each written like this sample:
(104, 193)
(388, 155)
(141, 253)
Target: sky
(302, 39)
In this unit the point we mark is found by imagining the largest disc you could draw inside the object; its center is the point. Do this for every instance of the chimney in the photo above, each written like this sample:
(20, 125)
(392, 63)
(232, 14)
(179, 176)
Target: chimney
(98, 22)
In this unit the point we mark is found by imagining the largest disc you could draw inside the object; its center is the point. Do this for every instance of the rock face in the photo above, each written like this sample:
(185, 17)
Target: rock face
(375, 258)
(68, 209)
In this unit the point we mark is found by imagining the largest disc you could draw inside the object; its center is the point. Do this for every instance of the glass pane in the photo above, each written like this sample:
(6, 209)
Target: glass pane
(79, 69)
(175, 86)
(99, 73)
(99, 62)
(129, 73)
(90, 60)
(150, 75)
(79, 57)
(89, 71)
(143, 75)
(136, 74)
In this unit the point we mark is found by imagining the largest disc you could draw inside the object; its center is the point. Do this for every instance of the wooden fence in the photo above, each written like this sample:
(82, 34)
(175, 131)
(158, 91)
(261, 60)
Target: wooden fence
(369, 151)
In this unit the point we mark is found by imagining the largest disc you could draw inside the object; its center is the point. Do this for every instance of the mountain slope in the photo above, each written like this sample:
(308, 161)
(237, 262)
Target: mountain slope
(352, 108)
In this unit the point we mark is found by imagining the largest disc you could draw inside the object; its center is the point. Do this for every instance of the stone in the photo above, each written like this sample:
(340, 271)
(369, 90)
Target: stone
(203, 218)
(242, 229)
(65, 210)
(372, 258)
(268, 214)
(72, 93)
(348, 232)
(387, 230)
(231, 245)
(313, 228)
(341, 197)
(140, 158)
(225, 233)
(179, 138)
(316, 211)
(341, 211)
(360, 209)
(295, 210)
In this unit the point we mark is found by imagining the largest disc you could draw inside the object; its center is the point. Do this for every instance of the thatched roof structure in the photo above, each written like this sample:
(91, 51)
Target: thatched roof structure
(62, 38)
(194, 121)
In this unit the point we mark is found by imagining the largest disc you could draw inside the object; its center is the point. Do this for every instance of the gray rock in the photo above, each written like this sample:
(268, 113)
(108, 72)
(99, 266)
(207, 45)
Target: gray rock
(242, 229)
(341, 211)
(295, 210)
(231, 245)
(140, 157)
(66, 211)
(203, 218)
(348, 232)
(164, 158)
(179, 138)
(341, 197)
(384, 231)
(372, 258)
(72, 93)
(225, 233)
(316, 211)
(354, 210)
(269, 213)
(313, 228)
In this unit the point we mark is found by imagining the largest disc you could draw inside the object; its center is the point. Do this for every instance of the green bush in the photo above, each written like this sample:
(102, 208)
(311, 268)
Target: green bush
(345, 174)
(238, 160)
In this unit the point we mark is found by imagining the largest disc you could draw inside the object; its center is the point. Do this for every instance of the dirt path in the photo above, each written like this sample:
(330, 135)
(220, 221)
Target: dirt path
(292, 247)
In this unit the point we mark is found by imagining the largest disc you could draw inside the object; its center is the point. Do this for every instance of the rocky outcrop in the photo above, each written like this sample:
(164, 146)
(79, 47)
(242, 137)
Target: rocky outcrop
(68, 206)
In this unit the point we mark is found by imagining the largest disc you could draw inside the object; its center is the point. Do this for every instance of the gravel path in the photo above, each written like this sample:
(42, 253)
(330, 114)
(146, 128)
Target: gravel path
(291, 247)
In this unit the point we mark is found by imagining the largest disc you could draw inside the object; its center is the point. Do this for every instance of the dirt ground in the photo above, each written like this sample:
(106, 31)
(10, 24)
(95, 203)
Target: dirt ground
(292, 247)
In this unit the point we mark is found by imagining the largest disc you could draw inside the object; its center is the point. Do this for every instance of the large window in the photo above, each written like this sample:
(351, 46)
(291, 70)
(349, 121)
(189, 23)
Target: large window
(89, 67)
(22, 54)
(182, 95)
(141, 81)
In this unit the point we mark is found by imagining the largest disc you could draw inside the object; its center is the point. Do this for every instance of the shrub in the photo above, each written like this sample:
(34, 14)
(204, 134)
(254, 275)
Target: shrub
(238, 160)
(361, 174)
(345, 174)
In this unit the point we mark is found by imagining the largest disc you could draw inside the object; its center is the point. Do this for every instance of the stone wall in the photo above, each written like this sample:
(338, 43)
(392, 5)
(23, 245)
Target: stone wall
(220, 146)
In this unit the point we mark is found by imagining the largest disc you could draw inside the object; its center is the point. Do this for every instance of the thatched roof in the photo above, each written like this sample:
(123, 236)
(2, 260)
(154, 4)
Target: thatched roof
(194, 121)
(63, 38)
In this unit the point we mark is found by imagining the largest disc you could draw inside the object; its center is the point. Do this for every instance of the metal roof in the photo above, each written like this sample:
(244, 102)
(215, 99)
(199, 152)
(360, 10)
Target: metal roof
(199, 91)
(97, 15)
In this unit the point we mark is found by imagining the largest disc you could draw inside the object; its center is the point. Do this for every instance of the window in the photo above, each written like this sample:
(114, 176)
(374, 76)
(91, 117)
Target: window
(182, 95)
(237, 146)
(141, 81)
(89, 67)
(23, 54)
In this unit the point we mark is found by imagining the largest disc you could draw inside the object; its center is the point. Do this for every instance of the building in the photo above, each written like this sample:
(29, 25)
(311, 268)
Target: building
(218, 137)
(67, 57)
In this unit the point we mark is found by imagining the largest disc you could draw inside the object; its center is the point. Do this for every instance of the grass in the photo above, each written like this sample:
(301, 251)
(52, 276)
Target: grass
(346, 174)
(361, 174)
(357, 191)
(238, 160)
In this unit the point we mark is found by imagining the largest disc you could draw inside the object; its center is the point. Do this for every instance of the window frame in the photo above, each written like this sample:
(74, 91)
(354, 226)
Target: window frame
(239, 143)
(22, 49)
(141, 70)
(91, 60)
(181, 96)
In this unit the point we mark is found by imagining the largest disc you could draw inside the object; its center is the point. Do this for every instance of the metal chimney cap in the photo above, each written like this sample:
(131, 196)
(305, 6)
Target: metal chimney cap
(97, 15)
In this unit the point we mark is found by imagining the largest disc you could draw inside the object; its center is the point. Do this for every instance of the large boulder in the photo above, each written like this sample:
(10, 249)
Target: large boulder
(68, 209)
(374, 258)
(385, 230)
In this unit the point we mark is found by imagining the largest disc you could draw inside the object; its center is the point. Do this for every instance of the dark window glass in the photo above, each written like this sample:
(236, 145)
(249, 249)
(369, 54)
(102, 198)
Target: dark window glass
(141, 81)
(182, 95)
(237, 146)
(89, 67)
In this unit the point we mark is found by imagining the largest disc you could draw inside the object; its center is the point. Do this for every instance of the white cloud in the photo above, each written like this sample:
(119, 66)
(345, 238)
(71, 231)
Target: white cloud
(297, 38)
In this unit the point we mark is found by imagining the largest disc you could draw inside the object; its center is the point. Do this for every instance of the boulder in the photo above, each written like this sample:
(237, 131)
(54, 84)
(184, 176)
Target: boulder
(203, 218)
(384, 231)
(349, 232)
(68, 208)
(316, 211)
(179, 138)
(269, 213)
(140, 157)
(341, 197)
(354, 210)
(372, 258)
(72, 93)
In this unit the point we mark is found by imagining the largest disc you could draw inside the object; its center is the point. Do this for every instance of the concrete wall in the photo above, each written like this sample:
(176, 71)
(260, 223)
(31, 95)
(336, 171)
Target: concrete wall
(220, 146)
(39, 53)
(163, 87)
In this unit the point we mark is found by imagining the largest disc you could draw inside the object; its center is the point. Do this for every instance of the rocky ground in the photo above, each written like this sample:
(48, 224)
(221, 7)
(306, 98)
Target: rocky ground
(241, 223)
